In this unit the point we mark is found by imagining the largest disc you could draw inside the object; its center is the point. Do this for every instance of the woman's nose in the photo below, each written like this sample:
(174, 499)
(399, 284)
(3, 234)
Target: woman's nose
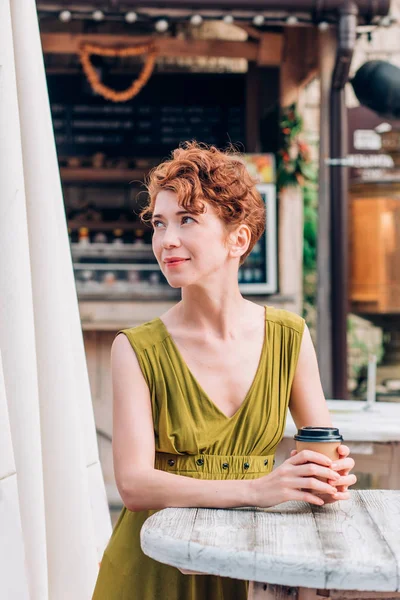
(171, 239)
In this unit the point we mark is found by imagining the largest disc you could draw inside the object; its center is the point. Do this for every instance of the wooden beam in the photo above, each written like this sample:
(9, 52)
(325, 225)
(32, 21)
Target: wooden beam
(251, 31)
(299, 62)
(65, 43)
(264, 50)
(108, 175)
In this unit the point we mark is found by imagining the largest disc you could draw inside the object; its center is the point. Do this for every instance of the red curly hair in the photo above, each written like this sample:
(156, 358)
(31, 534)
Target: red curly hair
(199, 173)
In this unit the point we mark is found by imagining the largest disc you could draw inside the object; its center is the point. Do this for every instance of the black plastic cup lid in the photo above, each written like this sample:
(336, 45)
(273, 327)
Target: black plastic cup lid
(318, 434)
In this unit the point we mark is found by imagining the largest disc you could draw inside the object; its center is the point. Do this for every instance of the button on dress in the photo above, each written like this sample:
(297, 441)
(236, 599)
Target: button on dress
(194, 438)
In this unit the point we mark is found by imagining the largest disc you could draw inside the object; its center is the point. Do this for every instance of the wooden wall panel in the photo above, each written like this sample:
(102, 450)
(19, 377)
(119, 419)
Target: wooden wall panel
(375, 254)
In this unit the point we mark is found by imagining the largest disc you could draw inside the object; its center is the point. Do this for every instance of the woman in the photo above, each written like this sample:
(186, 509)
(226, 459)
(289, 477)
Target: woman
(201, 394)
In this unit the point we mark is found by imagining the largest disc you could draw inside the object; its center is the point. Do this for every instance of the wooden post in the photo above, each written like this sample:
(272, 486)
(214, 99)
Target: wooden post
(297, 68)
(327, 50)
(290, 239)
(253, 110)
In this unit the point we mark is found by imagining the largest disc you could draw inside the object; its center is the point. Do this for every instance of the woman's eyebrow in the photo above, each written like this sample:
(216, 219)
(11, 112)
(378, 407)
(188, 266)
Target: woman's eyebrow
(180, 212)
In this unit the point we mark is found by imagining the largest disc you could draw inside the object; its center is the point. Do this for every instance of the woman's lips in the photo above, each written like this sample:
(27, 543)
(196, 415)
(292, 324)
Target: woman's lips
(175, 263)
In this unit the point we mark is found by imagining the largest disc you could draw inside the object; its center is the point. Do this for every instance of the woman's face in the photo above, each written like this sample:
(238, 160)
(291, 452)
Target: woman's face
(189, 248)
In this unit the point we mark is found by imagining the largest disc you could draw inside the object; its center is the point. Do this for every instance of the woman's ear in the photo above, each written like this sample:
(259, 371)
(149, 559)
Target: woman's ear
(239, 241)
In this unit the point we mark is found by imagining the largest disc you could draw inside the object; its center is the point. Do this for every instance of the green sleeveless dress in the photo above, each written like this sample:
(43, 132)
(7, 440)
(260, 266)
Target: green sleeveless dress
(195, 439)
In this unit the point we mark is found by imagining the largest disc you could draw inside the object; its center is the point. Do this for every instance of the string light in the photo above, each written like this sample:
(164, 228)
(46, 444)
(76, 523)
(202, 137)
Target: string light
(161, 25)
(196, 20)
(386, 21)
(258, 20)
(65, 16)
(131, 17)
(97, 15)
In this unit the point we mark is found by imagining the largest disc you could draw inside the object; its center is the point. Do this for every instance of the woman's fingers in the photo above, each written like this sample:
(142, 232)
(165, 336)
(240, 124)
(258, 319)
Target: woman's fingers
(324, 467)
(344, 482)
(343, 450)
(341, 496)
(306, 456)
(343, 464)
(328, 499)
(305, 495)
(313, 470)
(312, 484)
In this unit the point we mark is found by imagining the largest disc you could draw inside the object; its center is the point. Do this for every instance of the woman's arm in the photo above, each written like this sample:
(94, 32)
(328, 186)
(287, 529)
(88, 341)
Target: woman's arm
(307, 403)
(140, 485)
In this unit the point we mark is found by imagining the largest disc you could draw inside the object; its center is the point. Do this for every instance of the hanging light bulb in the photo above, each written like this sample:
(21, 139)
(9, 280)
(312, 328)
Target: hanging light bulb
(161, 25)
(196, 20)
(97, 15)
(258, 20)
(323, 26)
(386, 21)
(292, 20)
(228, 19)
(131, 17)
(65, 16)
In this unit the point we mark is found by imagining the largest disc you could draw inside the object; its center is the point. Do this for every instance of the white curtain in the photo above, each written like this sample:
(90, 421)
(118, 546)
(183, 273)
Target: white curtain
(54, 518)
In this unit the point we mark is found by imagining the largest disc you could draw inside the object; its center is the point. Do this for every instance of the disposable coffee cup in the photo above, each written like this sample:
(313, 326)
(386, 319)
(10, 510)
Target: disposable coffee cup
(325, 440)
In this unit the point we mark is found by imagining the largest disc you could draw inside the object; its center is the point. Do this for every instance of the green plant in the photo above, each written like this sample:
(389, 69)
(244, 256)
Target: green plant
(295, 166)
(310, 199)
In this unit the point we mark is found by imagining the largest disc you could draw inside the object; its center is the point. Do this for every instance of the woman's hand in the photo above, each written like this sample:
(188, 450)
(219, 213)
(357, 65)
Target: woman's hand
(342, 466)
(297, 479)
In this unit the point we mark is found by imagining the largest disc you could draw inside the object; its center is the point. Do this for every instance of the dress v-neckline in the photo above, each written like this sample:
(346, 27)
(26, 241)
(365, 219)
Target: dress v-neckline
(201, 389)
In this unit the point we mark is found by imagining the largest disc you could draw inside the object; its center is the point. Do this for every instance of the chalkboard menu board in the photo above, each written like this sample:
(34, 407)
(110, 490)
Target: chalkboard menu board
(170, 109)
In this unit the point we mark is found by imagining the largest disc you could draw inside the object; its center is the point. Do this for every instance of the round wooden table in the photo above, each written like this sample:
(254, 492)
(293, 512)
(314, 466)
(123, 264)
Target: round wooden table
(293, 549)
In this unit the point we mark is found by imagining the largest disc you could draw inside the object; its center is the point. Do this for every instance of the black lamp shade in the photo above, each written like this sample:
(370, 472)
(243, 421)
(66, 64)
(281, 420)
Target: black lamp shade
(377, 86)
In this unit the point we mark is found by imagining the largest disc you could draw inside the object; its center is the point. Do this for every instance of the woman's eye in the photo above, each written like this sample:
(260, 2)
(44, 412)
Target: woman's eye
(156, 224)
(184, 219)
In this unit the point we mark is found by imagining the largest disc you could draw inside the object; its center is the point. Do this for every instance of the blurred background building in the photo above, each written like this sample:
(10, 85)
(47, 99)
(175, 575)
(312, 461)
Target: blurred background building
(374, 322)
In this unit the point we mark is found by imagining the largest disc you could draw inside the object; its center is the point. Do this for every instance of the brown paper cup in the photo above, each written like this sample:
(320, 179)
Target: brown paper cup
(328, 447)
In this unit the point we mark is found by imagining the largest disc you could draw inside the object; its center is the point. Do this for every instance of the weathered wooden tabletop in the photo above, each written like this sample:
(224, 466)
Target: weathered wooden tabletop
(349, 545)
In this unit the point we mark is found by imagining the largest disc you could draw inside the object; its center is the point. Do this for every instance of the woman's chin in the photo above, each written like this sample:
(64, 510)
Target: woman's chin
(178, 282)
(174, 285)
